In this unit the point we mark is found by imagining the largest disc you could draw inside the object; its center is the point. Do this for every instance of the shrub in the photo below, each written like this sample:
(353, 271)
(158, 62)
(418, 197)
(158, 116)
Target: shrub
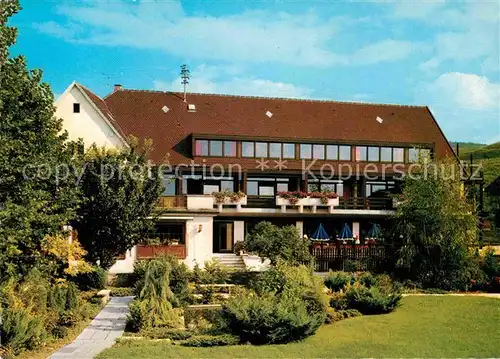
(336, 281)
(71, 297)
(202, 319)
(179, 277)
(56, 298)
(371, 300)
(338, 301)
(270, 319)
(166, 333)
(211, 340)
(336, 315)
(20, 330)
(122, 292)
(290, 305)
(95, 279)
(153, 307)
(59, 332)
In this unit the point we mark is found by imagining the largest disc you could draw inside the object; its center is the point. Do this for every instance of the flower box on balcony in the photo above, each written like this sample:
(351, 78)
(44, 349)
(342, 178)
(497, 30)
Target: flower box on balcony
(226, 198)
(308, 201)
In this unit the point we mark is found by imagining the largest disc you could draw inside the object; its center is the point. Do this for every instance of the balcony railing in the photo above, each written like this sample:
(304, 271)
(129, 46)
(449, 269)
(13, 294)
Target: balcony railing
(172, 202)
(366, 203)
(204, 202)
(152, 251)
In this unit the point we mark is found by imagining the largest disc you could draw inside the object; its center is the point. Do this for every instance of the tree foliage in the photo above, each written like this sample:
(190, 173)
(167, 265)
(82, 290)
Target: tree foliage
(437, 225)
(278, 243)
(120, 192)
(35, 200)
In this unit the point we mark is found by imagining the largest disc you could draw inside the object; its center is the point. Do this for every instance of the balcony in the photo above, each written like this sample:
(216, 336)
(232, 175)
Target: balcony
(200, 202)
(312, 202)
(197, 202)
(153, 251)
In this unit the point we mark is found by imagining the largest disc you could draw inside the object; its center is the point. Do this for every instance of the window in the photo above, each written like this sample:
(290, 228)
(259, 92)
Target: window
(398, 154)
(76, 107)
(326, 186)
(168, 232)
(378, 188)
(386, 154)
(169, 183)
(288, 150)
(319, 152)
(332, 152)
(252, 188)
(215, 148)
(282, 187)
(261, 149)
(230, 148)
(305, 151)
(210, 188)
(227, 185)
(201, 148)
(413, 154)
(345, 153)
(275, 150)
(247, 149)
(361, 153)
(373, 154)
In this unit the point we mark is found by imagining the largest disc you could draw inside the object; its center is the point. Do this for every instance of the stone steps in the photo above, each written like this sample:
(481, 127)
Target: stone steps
(231, 261)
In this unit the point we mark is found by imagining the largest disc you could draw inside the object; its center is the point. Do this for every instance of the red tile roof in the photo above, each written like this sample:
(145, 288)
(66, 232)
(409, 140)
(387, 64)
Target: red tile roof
(140, 113)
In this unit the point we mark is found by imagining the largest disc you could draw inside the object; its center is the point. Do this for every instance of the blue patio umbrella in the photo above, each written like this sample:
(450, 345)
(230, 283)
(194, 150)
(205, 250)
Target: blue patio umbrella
(320, 234)
(375, 231)
(346, 232)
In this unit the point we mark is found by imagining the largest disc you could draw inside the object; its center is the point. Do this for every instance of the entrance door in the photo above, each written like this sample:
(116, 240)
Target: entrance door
(223, 237)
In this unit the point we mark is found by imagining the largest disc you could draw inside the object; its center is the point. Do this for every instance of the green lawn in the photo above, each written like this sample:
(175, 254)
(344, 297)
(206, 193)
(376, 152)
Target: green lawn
(422, 327)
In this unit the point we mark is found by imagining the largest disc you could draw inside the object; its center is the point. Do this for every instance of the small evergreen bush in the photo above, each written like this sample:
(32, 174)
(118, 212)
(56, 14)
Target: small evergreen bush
(20, 330)
(372, 300)
(166, 333)
(96, 279)
(211, 340)
(336, 281)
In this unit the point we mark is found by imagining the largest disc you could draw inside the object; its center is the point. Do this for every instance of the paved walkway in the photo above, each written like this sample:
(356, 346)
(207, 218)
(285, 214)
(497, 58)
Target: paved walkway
(108, 325)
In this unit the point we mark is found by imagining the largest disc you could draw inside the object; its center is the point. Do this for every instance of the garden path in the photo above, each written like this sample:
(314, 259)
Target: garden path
(102, 332)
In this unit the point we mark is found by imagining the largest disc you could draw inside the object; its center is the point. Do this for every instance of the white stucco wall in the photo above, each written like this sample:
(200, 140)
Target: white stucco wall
(199, 243)
(88, 124)
(300, 227)
(239, 231)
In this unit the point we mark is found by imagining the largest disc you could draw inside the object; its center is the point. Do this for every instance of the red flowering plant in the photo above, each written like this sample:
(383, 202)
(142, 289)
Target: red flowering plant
(323, 196)
(220, 197)
(292, 197)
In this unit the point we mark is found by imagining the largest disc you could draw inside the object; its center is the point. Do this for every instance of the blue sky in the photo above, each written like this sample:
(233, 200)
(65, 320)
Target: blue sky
(441, 54)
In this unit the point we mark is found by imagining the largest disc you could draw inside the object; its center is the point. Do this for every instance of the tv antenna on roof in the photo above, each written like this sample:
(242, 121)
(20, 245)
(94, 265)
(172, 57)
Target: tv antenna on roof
(185, 76)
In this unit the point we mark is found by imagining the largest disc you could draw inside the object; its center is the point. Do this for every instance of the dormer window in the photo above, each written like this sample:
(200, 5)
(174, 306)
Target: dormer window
(76, 107)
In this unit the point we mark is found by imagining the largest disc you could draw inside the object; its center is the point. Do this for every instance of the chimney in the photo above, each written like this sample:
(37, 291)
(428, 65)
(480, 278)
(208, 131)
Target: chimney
(118, 87)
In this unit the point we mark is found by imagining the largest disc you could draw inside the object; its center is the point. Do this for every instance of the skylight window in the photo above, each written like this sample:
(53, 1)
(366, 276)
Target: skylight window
(191, 107)
(165, 109)
(380, 119)
(269, 114)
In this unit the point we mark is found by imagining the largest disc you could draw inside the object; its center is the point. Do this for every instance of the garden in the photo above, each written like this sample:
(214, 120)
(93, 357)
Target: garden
(288, 311)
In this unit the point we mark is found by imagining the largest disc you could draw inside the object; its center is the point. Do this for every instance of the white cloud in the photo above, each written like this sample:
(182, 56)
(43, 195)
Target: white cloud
(465, 91)
(464, 104)
(213, 79)
(470, 31)
(387, 50)
(252, 36)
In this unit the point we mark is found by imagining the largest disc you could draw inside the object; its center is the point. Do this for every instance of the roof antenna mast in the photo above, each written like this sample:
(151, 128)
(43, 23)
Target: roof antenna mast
(185, 76)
